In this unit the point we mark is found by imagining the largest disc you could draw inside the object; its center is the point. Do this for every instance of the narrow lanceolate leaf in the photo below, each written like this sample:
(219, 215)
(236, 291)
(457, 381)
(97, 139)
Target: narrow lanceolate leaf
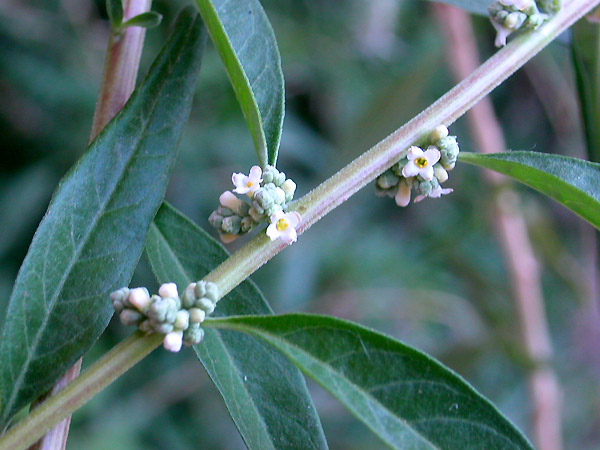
(94, 231)
(265, 394)
(573, 182)
(245, 40)
(585, 47)
(406, 398)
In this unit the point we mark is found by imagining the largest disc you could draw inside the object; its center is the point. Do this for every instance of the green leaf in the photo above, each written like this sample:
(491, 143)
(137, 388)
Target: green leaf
(265, 394)
(114, 9)
(94, 231)
(479, 7)
(573, 182)
(406, 398)
(585, 47)
(245, 40)
(148, 19)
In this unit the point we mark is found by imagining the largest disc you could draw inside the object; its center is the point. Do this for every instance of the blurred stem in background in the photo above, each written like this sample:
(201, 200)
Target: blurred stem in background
(118, 82)
(511, 232)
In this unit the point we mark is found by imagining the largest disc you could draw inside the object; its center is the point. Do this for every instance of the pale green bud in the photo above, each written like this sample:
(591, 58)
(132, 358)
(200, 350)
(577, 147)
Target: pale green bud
(200, 289)
(139, 298)
(205, 304)
(120, 296)
(163, 328)
(182, 319)
(387, 180)
(158, 309)
(225, 212)
(279, 196)
(146, 326)
(193, 335)
(425, 187)
(197, 315)
(212, 291)
(189, 297)
(247, 224)
(231, 224)
(215, 219)
(256, 216)
(514, 20)
(438, 133)
(130, 317)
(380, 192)
(279, 179)
(440, 173)
(289, 187)
(269, 174)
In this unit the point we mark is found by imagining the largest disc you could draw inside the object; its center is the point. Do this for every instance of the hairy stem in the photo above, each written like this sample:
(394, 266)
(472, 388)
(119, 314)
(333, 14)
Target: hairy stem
(511, 233)
(313, 206)
(118, 82)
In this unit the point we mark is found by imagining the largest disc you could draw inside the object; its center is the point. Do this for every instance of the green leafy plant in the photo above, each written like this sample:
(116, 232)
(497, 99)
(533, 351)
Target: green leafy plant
(110, 207)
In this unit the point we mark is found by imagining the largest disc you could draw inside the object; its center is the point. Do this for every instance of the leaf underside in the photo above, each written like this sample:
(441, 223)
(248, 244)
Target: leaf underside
(265, 394)
(406, 398)
(573, 182)
(246, 43)
(94, 231)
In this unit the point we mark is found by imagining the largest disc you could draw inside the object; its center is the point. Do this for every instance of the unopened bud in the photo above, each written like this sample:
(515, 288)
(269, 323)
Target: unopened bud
(438, 133)
(139, 298)
(168, 290)
(173, 341)
(197, 315)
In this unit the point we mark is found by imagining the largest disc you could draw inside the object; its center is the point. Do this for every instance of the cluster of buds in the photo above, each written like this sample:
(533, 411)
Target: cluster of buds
(268, 192)
(508, 16)
(178, 318)
(421, 172)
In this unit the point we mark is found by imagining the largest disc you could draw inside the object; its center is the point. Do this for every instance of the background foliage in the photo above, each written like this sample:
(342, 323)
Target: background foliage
(431, 275)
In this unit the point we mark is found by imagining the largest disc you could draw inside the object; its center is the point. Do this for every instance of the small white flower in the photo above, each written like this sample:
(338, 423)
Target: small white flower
(173, 341)
(420, 162)
(501, 34)
(403, 195)
(283, 226)
(435, 193)
(247, 184)
(519, 4)
(168, 290)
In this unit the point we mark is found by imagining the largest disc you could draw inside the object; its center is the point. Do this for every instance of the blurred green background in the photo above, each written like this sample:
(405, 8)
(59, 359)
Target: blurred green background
(431, 274)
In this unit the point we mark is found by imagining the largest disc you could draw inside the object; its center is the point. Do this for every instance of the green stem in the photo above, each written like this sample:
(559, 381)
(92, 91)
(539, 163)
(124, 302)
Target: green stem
(312, 207)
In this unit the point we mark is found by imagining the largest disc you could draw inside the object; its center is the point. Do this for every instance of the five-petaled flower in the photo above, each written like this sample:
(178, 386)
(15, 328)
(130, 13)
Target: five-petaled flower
(421, 162)
(283, 226)
(247, 184)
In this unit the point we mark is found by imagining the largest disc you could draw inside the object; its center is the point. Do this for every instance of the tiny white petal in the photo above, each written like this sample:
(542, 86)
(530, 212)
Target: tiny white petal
(432, 155)
(255, 173)
(410, 170)
(229, 200)
(168, 290)
(427, 173)
(418, 198)
(272, 231)
(414, 152)
(173, 341)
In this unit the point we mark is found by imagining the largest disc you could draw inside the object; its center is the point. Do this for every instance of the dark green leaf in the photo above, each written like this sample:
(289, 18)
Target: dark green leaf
(114, 9)
(585, 47)
(408, 399)
(479, 7)
(573, 182)
(148, 19)
(94, 231)
(265, 394)
(245, 40)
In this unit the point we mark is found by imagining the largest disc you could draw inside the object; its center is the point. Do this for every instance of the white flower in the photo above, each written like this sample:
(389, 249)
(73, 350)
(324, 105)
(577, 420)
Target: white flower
(173, 341)
(421, 163)
(435, 193)
(283, 226)
(501, 34)
(403, 195)
(519, 4)
(247, 184)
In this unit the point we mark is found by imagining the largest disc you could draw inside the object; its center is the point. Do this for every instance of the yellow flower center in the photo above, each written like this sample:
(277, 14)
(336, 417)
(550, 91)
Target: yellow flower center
(282, 225)
(249, 184)
(421, 162)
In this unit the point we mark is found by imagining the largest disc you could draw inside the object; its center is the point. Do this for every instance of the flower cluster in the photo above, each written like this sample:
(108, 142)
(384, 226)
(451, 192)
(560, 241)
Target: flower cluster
(269, 193)
(508, 16)
(177, 318)
(421, 172)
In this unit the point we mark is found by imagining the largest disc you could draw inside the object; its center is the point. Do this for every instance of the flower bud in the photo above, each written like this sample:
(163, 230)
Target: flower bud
(120, 295)
(163, 328)
(200, 289)
(189, 297)
(387, 180)
(229, 200)
(279, 196)
(139, 298)
(197, 315)
(173, 341)
(193, 335)
(269, 174)
(440, 173)
(279, 179)
(205, 304)
(130, 317)
(289, 187)
(231, 225)
(182, 320)
(438, 133)
(212, 292)
(168, 290)
(215, 219)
